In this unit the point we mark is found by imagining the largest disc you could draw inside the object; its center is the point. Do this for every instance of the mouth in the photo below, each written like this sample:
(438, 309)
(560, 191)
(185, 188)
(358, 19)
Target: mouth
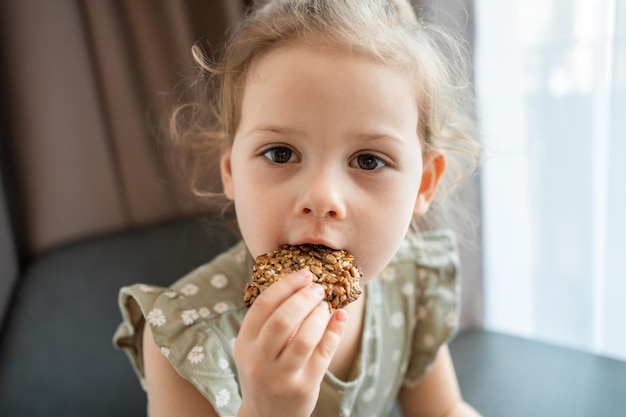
(319, 243)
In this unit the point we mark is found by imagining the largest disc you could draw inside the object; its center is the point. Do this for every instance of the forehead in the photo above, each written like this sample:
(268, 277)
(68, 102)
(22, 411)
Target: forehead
(300, 65)
(316, 45)
(309, 86)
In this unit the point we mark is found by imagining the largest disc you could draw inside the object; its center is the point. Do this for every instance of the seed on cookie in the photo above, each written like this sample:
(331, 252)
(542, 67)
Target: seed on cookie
(333, 269)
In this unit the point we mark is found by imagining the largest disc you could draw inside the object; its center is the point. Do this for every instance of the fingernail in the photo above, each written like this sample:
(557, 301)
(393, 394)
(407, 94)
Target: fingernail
(341, 315)
(305, 273)
(318, 289)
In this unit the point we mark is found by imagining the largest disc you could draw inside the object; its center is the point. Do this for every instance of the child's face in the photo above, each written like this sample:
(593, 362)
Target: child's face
(327, 153)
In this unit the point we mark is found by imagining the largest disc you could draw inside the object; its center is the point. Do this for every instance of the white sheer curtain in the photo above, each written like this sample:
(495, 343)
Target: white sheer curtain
(551, 88)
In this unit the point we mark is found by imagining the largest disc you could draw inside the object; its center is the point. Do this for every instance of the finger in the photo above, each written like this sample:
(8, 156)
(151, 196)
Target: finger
(326, 348)
(285, 321)
(304, 341)
(269, 300)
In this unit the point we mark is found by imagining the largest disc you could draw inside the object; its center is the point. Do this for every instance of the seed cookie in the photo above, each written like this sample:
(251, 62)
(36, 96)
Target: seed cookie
(332, 269)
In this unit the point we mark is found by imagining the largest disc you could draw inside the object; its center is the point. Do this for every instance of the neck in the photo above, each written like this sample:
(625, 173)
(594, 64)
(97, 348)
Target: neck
(344, 360)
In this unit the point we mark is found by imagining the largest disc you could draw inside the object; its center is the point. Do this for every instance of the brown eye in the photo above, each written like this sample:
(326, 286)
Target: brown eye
(369, 162)
(279, 154)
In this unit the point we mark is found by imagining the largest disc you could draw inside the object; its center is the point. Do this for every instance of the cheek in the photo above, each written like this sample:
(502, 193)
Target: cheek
(400, 195)
(257, 210)
(253, 225)
(380, 250)
(386, 228)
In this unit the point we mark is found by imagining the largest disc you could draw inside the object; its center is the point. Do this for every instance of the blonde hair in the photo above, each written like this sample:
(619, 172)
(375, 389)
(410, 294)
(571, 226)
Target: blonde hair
(387, 31)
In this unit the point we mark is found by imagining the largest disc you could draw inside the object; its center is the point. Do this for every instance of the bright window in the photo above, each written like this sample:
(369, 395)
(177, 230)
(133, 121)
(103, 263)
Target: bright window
(551, 89)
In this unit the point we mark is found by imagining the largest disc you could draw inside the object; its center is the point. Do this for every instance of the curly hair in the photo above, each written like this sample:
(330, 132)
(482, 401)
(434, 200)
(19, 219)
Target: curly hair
(387, 31)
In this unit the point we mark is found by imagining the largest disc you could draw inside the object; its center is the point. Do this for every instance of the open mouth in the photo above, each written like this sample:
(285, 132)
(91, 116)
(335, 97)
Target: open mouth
(317, 246)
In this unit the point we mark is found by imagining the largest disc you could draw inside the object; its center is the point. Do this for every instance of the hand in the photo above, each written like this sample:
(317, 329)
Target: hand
(285, 345)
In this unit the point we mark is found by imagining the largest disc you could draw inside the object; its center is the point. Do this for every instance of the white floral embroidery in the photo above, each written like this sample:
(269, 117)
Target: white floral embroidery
(170, 294)
(397, 320)
(156, 317)
(166, 352)
(405, 245)
(369, 394)
(190, 289)
(219, 281)
(195, 355)
(222, 363)
(146, 288)
(189, 316)
(395, 356)
(376, 297)
(388, 274)
(240, 256)
(222, 398)
(204, 312)
(408, 289)
(372, 369)
(220, 307)
(232, 343)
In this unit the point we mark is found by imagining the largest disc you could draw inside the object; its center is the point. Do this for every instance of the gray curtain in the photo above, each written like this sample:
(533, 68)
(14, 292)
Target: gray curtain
(458, 16)
(85, 88)
(87, 85)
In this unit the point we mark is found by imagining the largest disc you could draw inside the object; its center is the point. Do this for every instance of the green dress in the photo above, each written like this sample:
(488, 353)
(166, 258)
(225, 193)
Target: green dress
(411, 310)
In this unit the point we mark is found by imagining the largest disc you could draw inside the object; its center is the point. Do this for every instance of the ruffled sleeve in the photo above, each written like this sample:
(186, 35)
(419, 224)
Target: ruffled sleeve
(194, 323)
(437, 300)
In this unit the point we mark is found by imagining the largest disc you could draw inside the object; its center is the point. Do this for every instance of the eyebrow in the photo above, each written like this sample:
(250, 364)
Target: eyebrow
(375, 137)
(275, 129)
(288, 131)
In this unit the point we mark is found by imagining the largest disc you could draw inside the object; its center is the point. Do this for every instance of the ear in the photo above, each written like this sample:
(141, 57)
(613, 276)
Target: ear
(227, 174)
(434, 166)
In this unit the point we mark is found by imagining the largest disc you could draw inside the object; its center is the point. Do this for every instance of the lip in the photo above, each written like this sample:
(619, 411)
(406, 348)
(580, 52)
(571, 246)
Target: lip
(316, 241)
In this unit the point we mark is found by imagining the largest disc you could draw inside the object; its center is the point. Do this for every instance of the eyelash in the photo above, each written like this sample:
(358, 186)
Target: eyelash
(270, 155)
(267, 152)
(380, 162)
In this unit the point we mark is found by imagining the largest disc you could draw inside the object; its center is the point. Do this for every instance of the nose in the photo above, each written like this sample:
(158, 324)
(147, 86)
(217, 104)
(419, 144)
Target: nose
(323, 196)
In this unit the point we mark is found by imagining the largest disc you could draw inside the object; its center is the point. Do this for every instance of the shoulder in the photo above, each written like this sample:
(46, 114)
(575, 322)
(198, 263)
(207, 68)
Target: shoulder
(423, 276)
(433, 249)
(218, 285)
(206, 292)
(428, 261)
(193, 323)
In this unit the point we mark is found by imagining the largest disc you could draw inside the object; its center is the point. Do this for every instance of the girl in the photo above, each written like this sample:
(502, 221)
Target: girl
(333, 122)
